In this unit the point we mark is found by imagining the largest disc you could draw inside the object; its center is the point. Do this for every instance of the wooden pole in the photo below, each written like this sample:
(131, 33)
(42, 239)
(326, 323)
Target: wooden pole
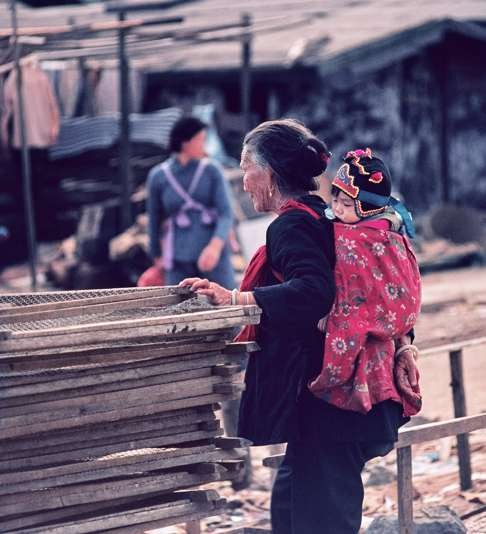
(246, 71)
(26, 168)
(459, 398)
(405, 490)
(124, 154)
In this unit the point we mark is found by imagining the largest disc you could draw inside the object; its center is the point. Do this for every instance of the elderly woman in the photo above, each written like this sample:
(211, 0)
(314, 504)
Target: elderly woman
(188, 194)
(318, 488)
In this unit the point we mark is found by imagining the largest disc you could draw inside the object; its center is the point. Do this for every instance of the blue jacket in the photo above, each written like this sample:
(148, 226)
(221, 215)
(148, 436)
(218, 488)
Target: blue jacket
(163, 202)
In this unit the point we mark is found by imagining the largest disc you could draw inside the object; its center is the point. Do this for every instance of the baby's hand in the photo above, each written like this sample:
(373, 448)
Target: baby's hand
(321, 325)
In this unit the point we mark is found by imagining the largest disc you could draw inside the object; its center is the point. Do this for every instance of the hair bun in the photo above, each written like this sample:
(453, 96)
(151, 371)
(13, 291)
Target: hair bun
(316, 156)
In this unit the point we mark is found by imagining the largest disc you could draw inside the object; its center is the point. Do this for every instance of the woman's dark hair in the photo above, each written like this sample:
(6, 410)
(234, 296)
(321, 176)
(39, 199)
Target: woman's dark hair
(184, 130)
(291, 151)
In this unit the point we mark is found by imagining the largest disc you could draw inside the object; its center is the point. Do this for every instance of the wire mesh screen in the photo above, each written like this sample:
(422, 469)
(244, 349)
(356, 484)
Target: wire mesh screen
(187, 306)
(29, 299)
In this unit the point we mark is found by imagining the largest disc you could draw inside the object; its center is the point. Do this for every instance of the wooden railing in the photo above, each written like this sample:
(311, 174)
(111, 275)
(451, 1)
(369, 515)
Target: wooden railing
(429, 432)
(460, 426)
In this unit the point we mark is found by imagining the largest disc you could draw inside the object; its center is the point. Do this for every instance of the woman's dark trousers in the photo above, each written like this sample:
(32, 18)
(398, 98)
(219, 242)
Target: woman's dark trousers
(318, 488)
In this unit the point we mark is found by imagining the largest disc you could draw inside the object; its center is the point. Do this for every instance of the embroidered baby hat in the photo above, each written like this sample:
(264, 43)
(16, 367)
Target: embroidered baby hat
(366, 179)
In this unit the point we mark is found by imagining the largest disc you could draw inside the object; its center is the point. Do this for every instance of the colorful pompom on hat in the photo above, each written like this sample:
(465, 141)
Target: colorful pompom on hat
(366, 179)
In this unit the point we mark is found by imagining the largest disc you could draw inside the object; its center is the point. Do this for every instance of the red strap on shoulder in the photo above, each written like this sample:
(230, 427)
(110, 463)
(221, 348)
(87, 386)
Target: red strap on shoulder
(294, 205)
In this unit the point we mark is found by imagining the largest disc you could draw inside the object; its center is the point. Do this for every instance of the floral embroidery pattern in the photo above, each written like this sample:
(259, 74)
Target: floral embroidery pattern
(377, 300)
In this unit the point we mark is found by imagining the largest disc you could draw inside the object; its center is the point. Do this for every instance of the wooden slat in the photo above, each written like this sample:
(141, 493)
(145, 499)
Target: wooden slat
(448, 347)
(89, 404)
(115, 332)
(67, 513)
(117, 413)
(22, 503)
(16, 405)
(115, 465)
(124, 465)
(116, 381)
(141, 520)
(118, 442)
(124, 324)
(434, 431)
(169, 508)
(108, 355)
(16, 384)
(158, 440)
(120, 431)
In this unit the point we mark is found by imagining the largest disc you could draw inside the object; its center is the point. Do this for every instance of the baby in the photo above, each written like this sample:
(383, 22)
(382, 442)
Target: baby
(377, 287)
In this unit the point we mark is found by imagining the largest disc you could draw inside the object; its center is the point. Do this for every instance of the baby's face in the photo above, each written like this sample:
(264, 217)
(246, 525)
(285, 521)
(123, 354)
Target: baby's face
(343, 208)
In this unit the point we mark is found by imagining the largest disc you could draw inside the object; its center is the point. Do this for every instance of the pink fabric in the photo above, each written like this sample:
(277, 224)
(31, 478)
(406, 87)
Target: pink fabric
(40, 108)
(377, 301)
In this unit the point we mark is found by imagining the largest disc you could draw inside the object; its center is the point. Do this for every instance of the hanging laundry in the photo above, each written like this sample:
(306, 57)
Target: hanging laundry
(40, 109)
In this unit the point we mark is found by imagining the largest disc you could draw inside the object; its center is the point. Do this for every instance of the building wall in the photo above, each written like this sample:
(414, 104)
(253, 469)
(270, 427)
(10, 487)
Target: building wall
(400, 111)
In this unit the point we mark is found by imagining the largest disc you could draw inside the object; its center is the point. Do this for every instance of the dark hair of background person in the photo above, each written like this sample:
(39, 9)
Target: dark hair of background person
(184, 130)
(294, 154)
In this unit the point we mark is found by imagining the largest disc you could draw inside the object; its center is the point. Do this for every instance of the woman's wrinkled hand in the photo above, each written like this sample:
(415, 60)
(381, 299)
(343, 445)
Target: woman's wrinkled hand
(407, 376)
(202, 286)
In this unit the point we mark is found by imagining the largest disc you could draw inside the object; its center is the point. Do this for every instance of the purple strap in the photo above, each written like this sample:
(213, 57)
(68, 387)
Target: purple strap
(181, 219)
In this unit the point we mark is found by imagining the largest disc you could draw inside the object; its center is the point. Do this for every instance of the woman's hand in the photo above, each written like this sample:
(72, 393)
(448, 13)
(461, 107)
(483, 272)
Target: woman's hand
(158, 263)
(217, 294)
(406, 377)
(209, 257)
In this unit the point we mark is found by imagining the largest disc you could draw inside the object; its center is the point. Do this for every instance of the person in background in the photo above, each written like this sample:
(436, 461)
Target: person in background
(188, 194)
(318, 488)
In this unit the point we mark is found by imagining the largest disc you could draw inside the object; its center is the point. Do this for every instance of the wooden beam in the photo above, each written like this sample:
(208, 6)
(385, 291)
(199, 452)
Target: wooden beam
(93, 27)
(441, 429)
(459, 398)
(189, 435)
(405, 490)
(448, 347)
(25, 426)
(48, 499)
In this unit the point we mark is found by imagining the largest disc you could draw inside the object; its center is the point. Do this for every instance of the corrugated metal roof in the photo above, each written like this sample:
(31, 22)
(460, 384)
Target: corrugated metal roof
(325, 32)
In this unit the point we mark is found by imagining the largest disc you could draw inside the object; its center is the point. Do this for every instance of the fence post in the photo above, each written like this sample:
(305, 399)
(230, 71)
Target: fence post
(459, 398)
(405, 490)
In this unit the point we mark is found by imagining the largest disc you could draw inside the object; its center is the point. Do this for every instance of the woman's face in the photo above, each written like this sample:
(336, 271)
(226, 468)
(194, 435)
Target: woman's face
(194, 148)
(344, 209)
(257, 182)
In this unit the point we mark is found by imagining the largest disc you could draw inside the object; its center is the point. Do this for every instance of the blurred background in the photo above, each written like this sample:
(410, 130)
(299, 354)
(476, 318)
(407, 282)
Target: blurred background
(404, 78)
